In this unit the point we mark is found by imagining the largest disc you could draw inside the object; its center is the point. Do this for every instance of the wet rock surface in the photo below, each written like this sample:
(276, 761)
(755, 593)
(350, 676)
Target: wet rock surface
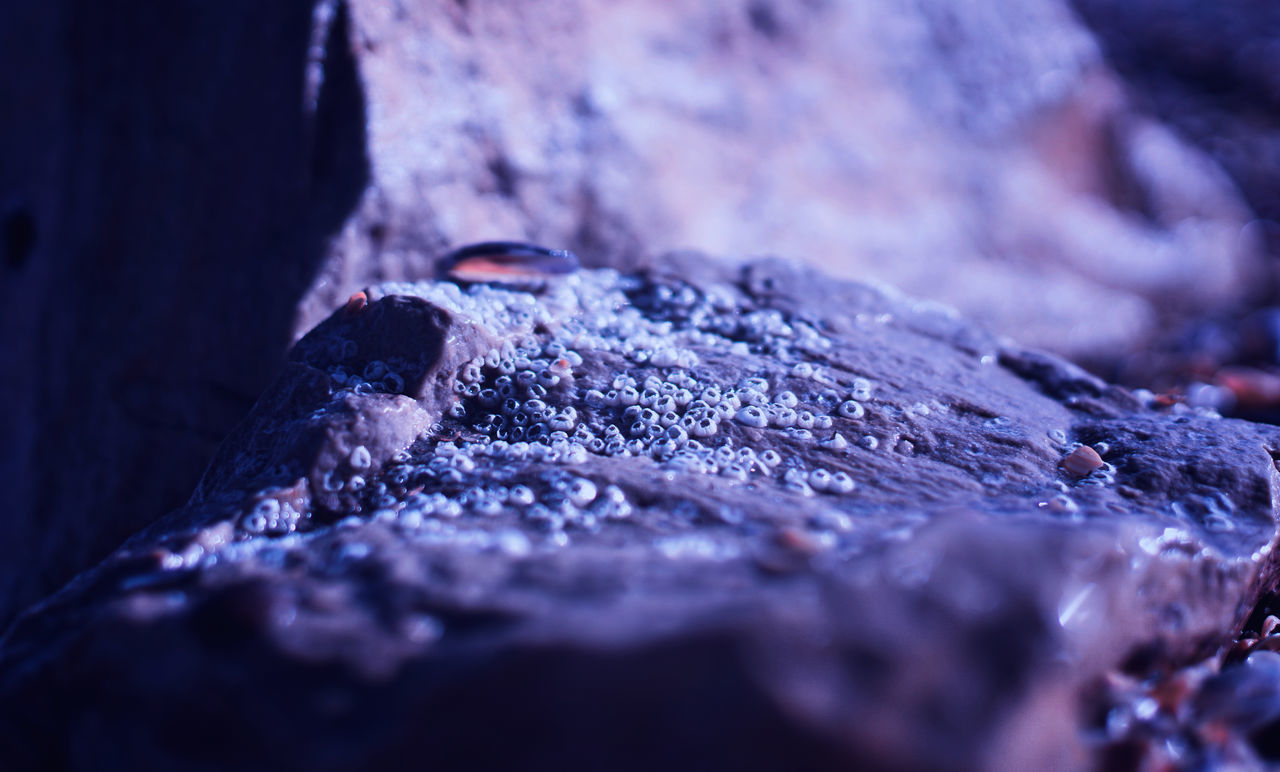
(728, 517)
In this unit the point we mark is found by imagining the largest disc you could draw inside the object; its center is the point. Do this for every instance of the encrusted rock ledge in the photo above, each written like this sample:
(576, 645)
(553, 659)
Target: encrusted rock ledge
(750, 519)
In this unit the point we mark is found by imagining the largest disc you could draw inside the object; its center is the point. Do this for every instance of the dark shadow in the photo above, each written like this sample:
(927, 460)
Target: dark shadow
(199, 186)
(1212, 71)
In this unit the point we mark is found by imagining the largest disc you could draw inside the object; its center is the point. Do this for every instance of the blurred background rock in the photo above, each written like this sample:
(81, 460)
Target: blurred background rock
(184, 189)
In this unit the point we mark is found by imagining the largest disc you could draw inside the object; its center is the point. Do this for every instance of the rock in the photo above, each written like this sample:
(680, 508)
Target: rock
(190, 192)
(870, 140)
(589, 558)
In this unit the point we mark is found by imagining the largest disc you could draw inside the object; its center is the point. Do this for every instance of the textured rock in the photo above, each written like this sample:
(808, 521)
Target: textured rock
(170, 194)
(717, 582)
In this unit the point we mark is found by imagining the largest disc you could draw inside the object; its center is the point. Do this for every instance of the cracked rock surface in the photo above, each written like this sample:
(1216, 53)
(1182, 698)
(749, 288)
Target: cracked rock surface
(745, 518)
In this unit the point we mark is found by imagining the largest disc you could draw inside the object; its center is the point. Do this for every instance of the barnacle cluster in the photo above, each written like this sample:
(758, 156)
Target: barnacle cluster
(613, 366)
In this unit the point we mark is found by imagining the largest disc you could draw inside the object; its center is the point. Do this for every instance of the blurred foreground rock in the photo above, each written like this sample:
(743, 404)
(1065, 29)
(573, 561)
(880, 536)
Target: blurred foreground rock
(697, 517)
(186, 191)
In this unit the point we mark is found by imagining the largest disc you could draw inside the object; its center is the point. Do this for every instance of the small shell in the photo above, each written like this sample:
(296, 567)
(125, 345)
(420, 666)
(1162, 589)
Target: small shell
(356, 303)
(507, 262)
(1081, 462)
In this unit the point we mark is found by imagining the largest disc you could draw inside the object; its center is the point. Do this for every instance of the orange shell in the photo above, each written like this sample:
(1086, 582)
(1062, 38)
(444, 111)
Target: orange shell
(1081, 461)
(356, 303)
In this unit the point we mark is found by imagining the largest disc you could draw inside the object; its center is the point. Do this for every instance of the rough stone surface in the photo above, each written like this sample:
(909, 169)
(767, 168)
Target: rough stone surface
(930, 591)
(170, 193)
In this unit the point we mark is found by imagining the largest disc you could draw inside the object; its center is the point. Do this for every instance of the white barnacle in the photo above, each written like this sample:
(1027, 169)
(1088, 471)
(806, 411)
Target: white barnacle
(581, 492)
(360, 458)
(861, 390)
(752, 415)
(851, 409)
(798, 481)
(755, 384)
(471, 373)
(819, 479)
(666, 357)
(521, 495)
(841, 482)
(782, 417)
(704, 427)
(837, 442)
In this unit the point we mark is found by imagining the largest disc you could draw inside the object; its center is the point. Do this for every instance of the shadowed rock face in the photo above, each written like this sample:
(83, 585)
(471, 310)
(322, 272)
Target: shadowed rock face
(751, 518)
(164, 200)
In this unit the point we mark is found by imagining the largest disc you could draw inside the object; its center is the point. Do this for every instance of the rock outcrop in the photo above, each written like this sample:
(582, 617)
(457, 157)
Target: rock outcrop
(185, 191)
(692, 517)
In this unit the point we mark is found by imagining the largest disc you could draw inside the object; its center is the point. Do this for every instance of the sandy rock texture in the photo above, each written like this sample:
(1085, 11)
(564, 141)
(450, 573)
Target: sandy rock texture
(739, 517)
(186, 190)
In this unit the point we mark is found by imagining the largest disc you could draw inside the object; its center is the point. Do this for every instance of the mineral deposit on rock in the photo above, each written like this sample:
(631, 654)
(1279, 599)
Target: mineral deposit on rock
(713, 517)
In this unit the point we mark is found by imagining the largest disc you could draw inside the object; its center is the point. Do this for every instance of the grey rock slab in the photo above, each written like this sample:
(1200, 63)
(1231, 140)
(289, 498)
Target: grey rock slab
(452, 532)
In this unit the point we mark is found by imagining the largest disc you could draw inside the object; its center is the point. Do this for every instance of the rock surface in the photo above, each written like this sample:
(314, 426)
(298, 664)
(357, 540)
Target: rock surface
(688, 518)
(171, 194)
(869, 139)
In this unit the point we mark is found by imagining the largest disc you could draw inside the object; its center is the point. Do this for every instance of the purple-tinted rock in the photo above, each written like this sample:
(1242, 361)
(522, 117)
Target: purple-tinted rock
(185, 191)
(928, 591)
